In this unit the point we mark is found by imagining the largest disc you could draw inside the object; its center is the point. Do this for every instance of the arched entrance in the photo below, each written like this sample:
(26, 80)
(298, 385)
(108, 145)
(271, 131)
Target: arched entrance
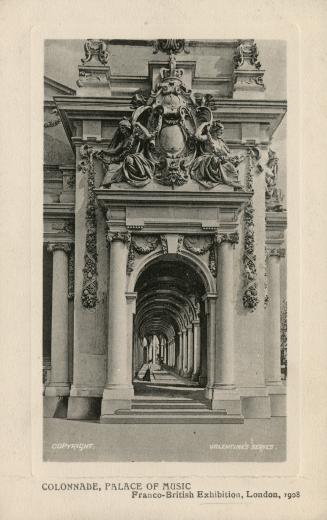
(170, 328)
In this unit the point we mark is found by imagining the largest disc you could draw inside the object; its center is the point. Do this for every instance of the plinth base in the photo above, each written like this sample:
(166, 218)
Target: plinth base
(55, 406)
(277, 400)
(226, 399)
(80, 408)
(116, 398)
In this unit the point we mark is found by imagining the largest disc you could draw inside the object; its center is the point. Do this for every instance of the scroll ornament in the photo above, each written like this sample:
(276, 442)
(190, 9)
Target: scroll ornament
(247, 54)
(90, 283)
(97, 48)
(170, 46)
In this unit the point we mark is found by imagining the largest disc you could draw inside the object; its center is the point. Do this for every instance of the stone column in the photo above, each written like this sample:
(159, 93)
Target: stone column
(180, 353)
(197, 350)
(184, 367)
(211, 342)
(276, 388)
(59, 380)
(190, 350)
(118, 390)
(225, 395)
(272, 347)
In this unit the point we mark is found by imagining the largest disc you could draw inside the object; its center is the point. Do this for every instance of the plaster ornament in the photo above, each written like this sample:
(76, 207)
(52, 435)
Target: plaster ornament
(97, 48)
(90, 282)
(246, 55)
(250, 293)
(170, 46)
(274, 195)
(170, 138)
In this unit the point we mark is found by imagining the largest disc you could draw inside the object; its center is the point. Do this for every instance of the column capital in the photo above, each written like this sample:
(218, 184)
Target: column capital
(189, 326)
(196, 323)
(124, 237)
(183, 331)
(276, 251)
(59, 246)
(231, 238)
(179, 333)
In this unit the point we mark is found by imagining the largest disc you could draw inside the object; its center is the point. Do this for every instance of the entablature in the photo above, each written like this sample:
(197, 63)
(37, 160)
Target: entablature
(59, 220)
(276, 224)
(172, 212)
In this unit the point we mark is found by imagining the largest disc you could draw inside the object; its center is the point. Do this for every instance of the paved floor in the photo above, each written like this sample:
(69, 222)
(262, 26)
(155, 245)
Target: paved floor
(257, 440)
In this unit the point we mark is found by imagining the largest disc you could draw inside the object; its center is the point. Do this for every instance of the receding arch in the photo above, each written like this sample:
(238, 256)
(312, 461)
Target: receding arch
(189, 258)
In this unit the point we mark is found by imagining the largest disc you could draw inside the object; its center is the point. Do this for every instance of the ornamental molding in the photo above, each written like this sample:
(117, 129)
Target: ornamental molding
(64, 227)
(90, 282)
(250, 292)
(114, 236)
(59, 246)
(170, 46)
(277, 251)
(231, 238)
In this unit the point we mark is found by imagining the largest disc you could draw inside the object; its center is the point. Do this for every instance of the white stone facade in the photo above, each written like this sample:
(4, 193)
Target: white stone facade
(189, 273)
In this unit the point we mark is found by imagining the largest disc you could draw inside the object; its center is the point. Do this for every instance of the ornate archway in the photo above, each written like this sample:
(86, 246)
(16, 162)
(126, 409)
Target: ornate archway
(170, 305)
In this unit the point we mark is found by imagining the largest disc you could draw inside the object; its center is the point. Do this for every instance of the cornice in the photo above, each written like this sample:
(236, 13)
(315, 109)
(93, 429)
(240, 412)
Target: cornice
(276, 220)
(59, 209)
(162, 198)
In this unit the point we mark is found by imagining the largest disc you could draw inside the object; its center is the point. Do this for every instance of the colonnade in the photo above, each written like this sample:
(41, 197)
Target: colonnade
(180, 352)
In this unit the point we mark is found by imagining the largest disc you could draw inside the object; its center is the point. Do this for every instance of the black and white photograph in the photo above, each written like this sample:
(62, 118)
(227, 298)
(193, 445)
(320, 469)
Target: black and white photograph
(164, 250)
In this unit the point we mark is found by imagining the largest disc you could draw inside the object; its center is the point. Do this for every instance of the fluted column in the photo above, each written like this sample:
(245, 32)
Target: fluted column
(118, 390)
(272, 344)
(59, 380)
(190, 350)
(184, 369)
(224, 392)
(197, 350)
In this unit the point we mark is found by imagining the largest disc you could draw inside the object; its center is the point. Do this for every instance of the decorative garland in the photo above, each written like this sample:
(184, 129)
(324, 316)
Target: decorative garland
(202, 250)
(90, 282)
(266, 299)
(283, 337)
(250, 295)
(71, 274)
(152, 244)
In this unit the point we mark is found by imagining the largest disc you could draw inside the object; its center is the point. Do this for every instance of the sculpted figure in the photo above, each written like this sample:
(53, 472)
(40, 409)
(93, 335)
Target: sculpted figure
(215, 165)
(126, 159)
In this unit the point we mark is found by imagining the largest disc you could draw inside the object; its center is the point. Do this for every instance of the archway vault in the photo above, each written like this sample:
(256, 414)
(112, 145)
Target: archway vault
(170, 292)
